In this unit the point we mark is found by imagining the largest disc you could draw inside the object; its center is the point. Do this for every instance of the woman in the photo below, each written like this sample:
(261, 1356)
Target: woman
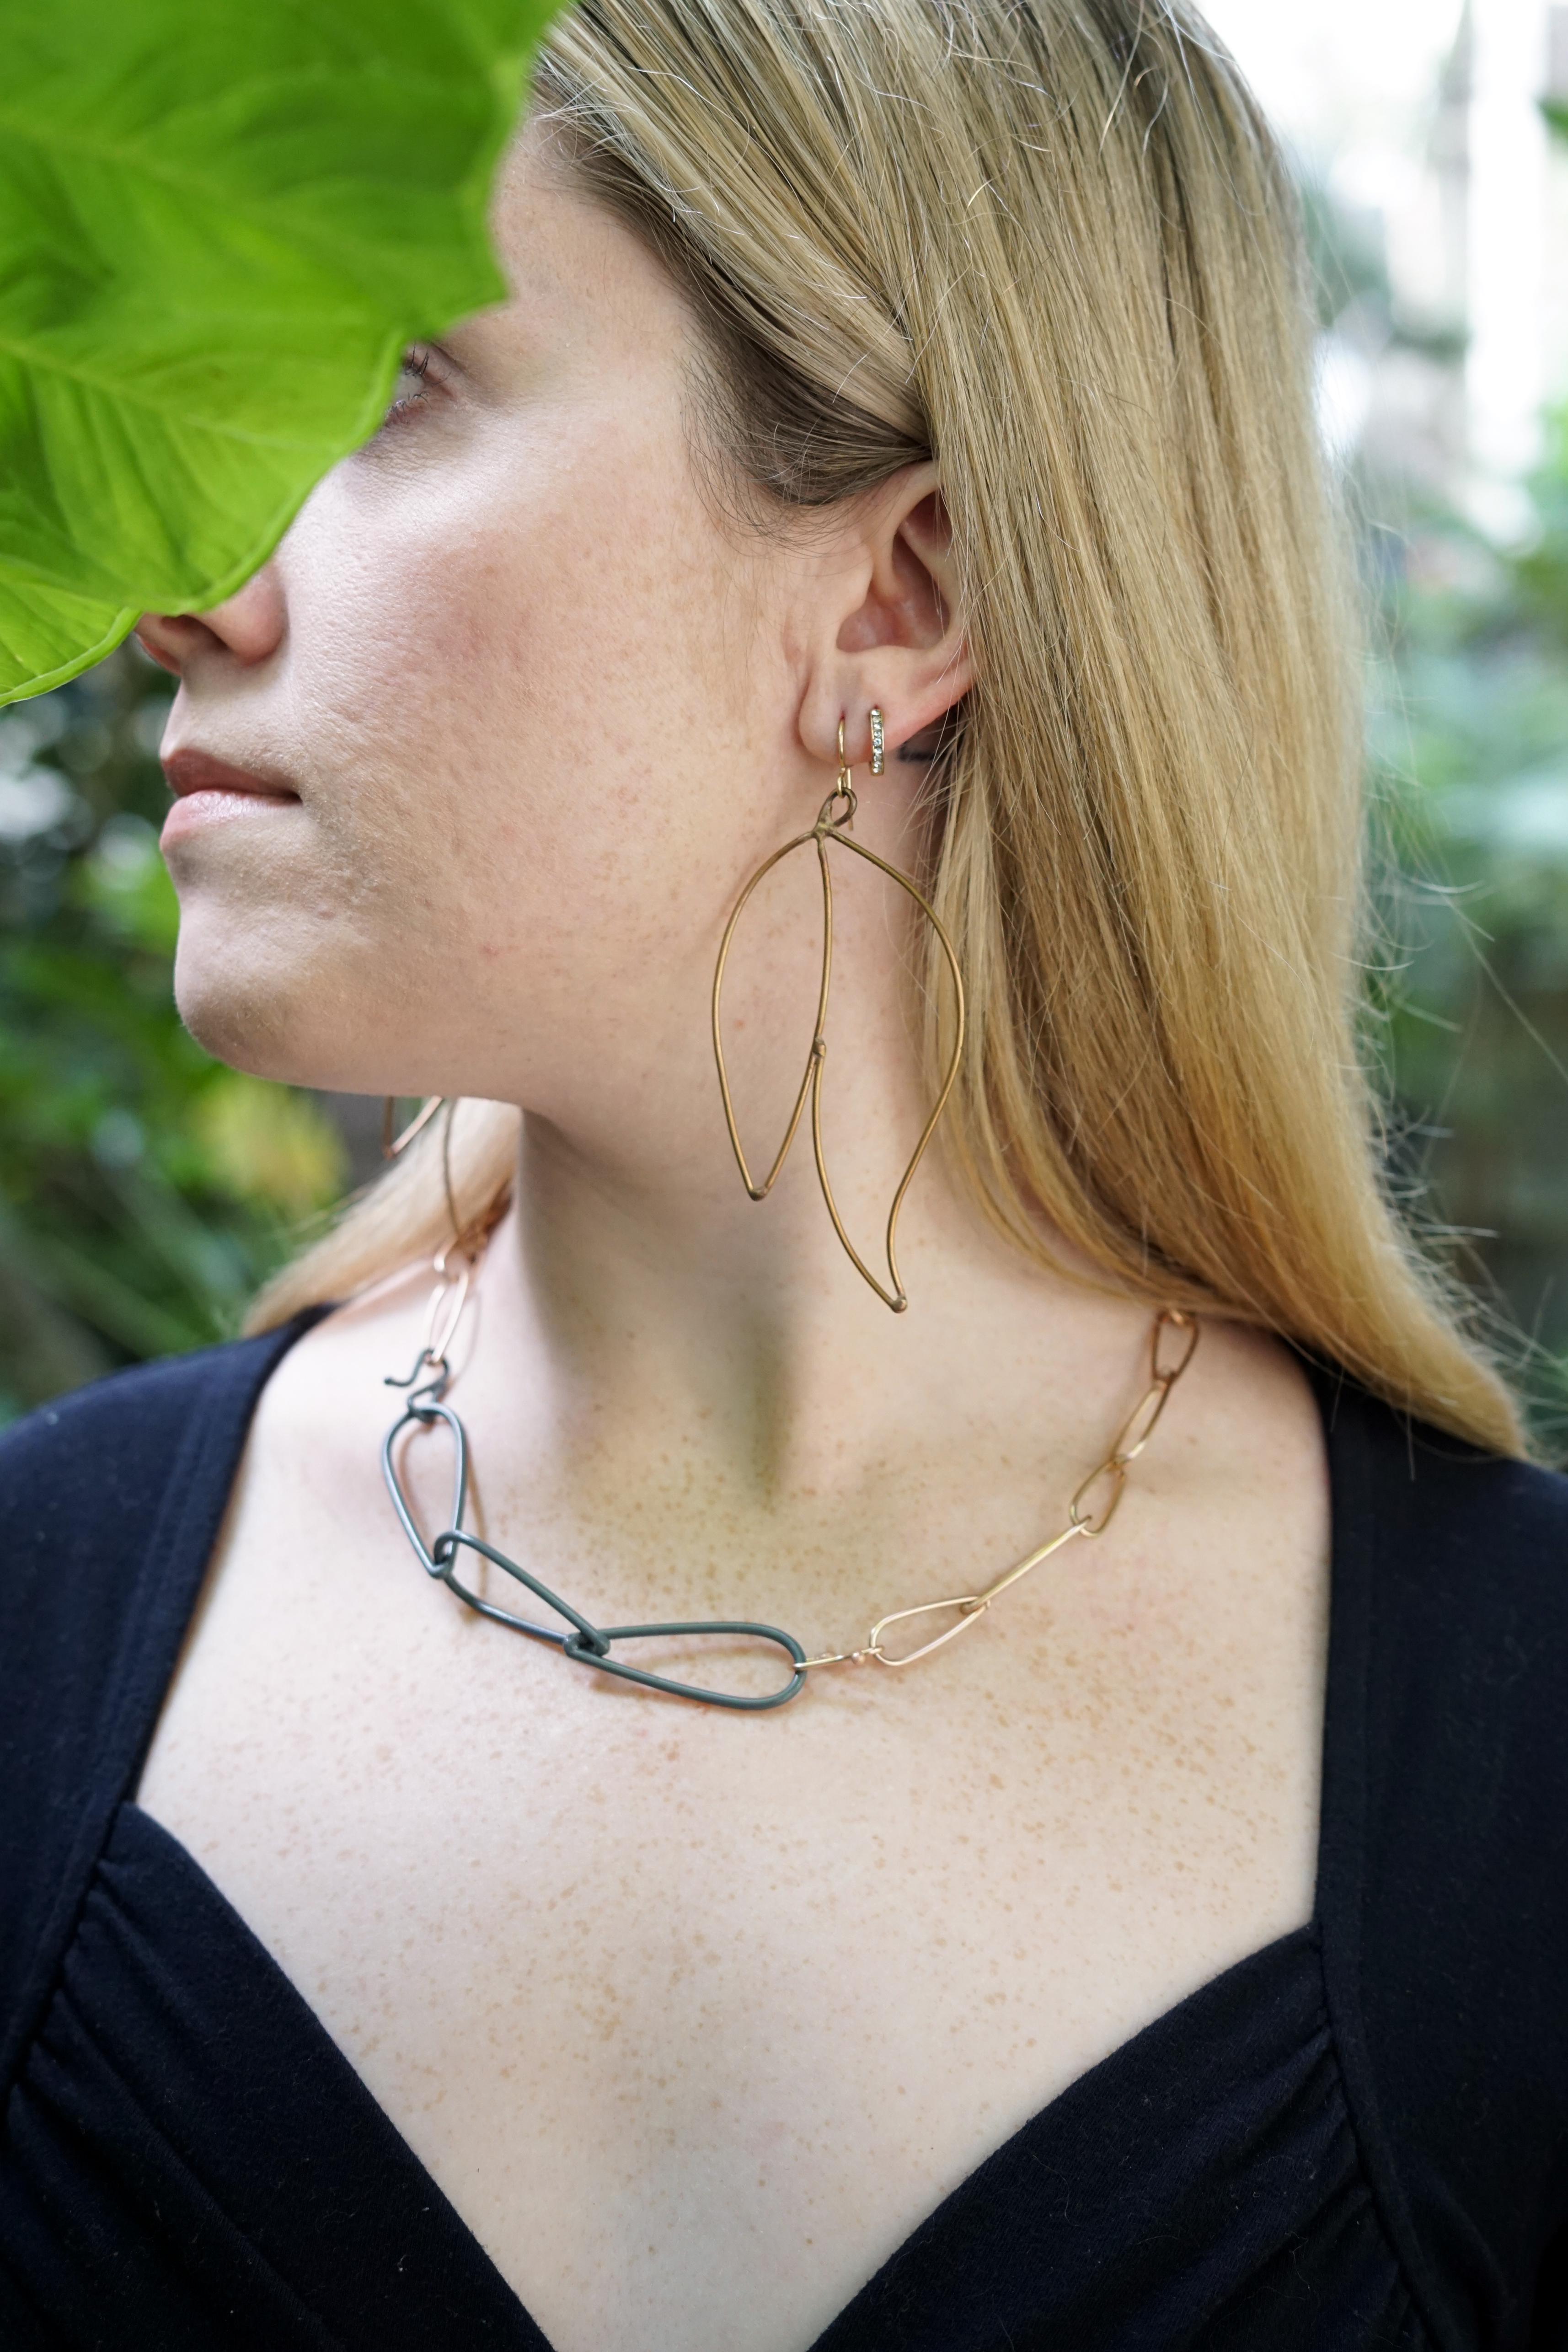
(1174, 1956)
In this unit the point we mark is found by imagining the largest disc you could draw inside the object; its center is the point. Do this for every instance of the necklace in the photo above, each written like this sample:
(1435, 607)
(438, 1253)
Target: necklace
(1171, 1344)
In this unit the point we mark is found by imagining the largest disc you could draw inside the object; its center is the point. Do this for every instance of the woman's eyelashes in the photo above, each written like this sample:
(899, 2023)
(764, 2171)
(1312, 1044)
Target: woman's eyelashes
(419, 379)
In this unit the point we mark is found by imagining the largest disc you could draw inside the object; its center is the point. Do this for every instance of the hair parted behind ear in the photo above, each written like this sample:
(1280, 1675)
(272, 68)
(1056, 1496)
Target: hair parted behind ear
(1051, 244)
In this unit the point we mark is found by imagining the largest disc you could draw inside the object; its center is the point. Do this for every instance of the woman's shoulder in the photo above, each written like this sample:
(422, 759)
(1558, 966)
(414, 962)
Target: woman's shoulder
(84, 1477)
(112, 1499)
(1443, 1885)
(120, 1427)
(1448, 1731)
(105, 1491)
(1439, 1528)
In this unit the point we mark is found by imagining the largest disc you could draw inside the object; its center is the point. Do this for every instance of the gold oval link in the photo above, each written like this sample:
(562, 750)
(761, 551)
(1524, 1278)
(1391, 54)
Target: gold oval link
(1041, 1551)
(970, 1605)
(1174, 1318)
(1123, 1452)
(446, 1305)
(1085, 1521)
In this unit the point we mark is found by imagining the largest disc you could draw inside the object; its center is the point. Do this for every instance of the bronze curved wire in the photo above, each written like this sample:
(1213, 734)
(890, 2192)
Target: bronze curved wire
(831, 830)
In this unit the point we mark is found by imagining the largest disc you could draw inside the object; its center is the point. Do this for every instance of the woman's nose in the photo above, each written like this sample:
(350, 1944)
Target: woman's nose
(247, 626)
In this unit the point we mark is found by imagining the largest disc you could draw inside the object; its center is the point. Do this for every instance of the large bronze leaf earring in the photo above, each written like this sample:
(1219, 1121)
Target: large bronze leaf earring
(832, 829)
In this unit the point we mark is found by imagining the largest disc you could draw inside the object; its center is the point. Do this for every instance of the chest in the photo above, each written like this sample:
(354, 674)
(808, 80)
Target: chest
(695, 2016)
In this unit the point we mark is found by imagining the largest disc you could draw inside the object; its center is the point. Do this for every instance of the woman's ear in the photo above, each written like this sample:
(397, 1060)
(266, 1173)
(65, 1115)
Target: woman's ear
(900, 643)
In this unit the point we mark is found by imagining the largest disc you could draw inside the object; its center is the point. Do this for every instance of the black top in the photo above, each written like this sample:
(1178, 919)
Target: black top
(1356, 2137)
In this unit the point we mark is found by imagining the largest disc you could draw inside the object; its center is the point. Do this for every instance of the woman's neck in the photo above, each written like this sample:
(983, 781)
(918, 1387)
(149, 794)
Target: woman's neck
(639, 1317)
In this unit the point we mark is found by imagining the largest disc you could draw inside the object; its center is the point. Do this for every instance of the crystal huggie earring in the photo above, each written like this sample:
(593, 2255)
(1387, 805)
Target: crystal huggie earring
(832, 829)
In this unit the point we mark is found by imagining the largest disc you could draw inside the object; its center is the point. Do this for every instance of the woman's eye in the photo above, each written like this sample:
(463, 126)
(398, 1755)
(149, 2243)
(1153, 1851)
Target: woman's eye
(412, 390)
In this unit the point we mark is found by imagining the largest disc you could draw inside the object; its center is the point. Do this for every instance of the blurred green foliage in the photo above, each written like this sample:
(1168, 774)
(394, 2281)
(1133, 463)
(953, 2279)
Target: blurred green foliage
(1470, 769)
(144, 1188)
(1467, 767)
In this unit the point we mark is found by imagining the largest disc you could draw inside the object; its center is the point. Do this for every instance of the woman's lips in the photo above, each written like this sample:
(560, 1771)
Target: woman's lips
(209, 791)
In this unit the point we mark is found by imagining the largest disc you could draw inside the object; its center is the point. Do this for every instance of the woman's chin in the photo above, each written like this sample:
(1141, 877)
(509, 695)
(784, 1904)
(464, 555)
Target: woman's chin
(251, 1019)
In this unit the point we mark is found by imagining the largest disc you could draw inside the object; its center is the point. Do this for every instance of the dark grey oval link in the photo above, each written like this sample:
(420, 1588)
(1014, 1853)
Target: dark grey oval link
(423, 1410)
(586, 1644)
(586, 1632)
(650, 1681)
(438, 1558)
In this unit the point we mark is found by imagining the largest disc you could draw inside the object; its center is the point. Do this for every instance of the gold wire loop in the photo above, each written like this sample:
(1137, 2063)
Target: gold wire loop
(1089, 1522)
(445, 1312)
(1141, 1423)
(1021, 1568)
(833, 830)
(971, 1607)
(1173, 1318)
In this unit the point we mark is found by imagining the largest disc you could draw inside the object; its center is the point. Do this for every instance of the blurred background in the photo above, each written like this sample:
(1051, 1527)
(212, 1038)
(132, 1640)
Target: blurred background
(145, 1190)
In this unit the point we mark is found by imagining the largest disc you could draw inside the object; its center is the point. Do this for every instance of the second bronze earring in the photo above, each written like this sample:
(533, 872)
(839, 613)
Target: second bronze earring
(832, 830)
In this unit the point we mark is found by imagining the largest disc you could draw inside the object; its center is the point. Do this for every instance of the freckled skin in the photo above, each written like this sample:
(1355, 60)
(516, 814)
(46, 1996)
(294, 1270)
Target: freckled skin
(693, 2016)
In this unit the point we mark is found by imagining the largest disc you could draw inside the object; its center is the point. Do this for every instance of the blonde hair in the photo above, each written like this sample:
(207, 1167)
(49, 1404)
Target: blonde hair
(1051, 244)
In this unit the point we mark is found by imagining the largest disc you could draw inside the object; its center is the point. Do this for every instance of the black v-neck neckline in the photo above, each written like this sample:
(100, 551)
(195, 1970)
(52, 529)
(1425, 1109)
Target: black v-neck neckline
(1289, 1955)
(1350, 1550)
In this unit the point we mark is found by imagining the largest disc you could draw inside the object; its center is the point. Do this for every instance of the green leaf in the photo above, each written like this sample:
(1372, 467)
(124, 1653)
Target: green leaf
(1556, 113)
(220, 226)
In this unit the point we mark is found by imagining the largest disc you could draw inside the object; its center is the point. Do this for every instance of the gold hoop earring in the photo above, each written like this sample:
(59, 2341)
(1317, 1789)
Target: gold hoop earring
(832, 830)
